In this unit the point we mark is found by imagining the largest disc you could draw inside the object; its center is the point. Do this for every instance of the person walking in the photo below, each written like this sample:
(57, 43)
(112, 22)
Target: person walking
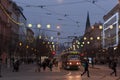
(51, 65)
(38, 66)
(113, 67)
(85, 65)
(44, 65)
(16, 65)
(92, 62)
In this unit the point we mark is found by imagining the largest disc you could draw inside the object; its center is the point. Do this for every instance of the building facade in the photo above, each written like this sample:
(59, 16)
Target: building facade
(10, 18)
(111, 30)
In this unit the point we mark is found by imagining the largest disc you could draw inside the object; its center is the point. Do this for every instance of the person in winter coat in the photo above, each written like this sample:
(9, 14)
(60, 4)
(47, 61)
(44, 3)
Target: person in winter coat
(113, 67)
(44, 65)
(86, 65)
(50, 65)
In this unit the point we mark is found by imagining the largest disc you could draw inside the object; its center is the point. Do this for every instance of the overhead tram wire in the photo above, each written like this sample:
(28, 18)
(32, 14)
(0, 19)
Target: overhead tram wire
(69, 3)
(94, 3)
(50, 5)
(46, 29)
(63, 15)
(43, 7)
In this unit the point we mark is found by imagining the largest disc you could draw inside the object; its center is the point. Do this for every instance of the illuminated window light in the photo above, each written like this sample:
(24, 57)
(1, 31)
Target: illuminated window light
(111, 26)
(92, 27)
(98, 38)
(119, 26)
(100, 27)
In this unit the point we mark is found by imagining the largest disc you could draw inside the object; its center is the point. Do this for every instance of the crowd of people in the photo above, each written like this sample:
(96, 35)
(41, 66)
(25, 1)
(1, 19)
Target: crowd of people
(47, 62)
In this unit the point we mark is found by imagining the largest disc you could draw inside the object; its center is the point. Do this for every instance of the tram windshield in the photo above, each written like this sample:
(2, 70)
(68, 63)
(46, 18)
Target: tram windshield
(73, 57)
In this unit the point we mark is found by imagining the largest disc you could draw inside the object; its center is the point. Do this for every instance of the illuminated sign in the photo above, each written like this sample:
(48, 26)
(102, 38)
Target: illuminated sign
(110, 31)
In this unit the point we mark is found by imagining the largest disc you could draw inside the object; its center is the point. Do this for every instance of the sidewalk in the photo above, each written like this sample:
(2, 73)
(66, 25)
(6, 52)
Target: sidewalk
(27, 72)
(103, 75)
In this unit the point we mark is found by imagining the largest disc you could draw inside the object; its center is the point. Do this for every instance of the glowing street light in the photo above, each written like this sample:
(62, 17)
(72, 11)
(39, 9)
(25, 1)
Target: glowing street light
(92, 27)
(30, 25)
(48, 25)
(85, 38)
(91, 38)
(51, 37)
(40, 37)
(100, 27)
(58, 27)
(98, 38)
(88, 42)
(20, 44)
(39, 26)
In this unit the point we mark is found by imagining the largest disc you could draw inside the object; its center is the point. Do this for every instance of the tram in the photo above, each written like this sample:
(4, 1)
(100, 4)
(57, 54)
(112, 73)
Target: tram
(70, 60)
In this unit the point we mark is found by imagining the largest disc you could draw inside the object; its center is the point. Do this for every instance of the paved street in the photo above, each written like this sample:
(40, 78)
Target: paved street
(27, 72)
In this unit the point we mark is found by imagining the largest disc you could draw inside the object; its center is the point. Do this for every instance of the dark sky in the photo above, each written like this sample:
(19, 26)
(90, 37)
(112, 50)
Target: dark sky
(70, 15)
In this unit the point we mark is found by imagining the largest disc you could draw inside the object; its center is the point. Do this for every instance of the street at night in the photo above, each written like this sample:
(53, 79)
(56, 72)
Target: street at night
(59, 39)
(27, 72)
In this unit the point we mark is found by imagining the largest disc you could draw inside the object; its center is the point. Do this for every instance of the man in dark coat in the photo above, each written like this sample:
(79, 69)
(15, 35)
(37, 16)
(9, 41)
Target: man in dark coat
(113, 67)
(86, 65)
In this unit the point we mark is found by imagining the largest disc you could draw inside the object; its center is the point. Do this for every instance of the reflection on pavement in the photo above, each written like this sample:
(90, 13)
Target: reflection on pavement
(71, 76)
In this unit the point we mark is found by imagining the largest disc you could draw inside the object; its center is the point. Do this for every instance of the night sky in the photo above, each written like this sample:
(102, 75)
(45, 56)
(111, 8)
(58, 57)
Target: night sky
(70, 15)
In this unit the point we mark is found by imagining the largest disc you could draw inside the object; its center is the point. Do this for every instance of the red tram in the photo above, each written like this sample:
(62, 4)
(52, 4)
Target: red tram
(70, 60)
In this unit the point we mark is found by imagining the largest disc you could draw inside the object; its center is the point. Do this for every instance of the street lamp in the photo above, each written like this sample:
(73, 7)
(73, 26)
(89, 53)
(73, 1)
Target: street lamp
(20, 44)
(30, 25)
(48, 26)
(39, 26)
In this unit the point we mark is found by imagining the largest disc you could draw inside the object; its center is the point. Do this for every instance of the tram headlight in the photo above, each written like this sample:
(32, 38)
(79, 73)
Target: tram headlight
(69, 63)
(78, 63)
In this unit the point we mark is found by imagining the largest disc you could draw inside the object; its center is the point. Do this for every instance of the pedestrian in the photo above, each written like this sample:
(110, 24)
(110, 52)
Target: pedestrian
(16, 65)
(86, 66)
(44, 65)
(50, 65)
(92, 62)
(109, 63)
(38, 66)
(113, 67)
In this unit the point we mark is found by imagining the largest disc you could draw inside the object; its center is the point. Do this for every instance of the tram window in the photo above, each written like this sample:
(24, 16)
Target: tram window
(73, 57)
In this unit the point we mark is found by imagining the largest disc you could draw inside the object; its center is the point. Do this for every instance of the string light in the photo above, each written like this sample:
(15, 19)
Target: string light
(14, 21)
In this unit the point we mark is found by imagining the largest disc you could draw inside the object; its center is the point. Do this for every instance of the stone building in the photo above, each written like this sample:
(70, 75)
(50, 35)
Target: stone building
(10, 16)
(92, 39)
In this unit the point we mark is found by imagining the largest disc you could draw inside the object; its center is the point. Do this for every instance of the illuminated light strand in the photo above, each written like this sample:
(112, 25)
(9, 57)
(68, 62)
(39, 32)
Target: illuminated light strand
(9, 16)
